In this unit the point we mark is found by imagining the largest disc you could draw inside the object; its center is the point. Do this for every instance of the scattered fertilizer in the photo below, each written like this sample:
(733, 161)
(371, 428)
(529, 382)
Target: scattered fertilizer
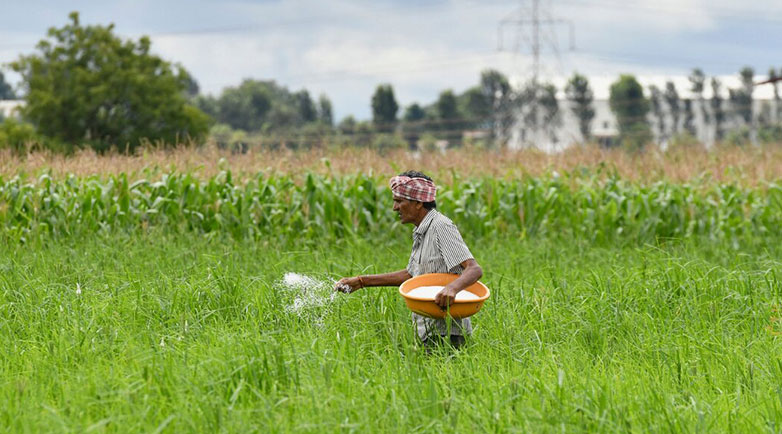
(429, 292)
(310, 296)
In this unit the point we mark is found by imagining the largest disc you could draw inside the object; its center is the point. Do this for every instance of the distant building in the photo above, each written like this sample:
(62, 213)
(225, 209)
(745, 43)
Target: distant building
(10, 107)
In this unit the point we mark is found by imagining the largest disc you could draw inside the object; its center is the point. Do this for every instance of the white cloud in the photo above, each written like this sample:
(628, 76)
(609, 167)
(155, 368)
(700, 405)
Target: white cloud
(344, 48)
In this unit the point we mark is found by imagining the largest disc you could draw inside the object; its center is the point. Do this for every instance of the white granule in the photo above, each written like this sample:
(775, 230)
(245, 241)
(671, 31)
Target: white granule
(429, 292)
(307, 296)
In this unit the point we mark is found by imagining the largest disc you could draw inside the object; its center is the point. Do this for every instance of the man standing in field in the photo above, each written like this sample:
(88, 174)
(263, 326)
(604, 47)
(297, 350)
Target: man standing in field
(438, 247)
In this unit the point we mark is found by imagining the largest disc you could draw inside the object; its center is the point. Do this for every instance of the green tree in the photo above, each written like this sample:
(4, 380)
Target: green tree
(697, 86)
(384, 108)
(656, 99)
(477, 107)
(741, 98)
(504, 102)
(448, 116)
(6, 91)
(580, 95)
(671, 96)
(306, 107)
(325, 111)
(413, 123)
(414, 113)
(552, 119)
(689, 117)
(630, 107)
(347, 125)
(246, 106)
(87, 85)
(773, 75)
(717, 109)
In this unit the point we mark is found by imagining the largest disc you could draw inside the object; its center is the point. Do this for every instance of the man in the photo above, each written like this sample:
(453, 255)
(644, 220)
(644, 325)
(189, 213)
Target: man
(437, 248)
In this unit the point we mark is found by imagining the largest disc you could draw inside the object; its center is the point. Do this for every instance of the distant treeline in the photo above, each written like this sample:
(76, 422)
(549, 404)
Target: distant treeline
(87, 87)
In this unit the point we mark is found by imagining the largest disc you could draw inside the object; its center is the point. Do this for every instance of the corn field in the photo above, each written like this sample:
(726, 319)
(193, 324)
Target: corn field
(576, 204)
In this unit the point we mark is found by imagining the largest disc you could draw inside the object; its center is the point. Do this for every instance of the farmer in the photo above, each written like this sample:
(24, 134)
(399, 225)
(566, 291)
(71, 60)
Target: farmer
(437, 248)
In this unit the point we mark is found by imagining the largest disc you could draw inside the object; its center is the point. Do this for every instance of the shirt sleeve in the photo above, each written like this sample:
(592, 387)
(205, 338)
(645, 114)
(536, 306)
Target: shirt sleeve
(451, 245)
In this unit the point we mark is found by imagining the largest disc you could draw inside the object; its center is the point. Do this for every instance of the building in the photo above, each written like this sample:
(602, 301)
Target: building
(10, 107)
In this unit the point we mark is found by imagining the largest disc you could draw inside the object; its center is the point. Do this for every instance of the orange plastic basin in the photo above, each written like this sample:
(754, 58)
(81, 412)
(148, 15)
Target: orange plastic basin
(426, 307)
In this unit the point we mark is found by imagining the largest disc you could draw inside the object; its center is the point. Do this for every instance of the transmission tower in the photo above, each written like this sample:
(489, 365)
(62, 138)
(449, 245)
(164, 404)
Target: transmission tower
(536, 31)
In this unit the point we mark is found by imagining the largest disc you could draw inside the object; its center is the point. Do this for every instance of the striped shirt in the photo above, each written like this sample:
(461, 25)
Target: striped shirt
(438, 247)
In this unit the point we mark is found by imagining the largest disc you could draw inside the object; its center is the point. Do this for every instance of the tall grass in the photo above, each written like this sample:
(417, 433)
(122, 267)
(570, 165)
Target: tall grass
(177, 333)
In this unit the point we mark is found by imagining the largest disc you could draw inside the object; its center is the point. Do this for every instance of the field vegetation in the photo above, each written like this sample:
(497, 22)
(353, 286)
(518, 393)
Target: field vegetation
(148, 293)
(746, 166)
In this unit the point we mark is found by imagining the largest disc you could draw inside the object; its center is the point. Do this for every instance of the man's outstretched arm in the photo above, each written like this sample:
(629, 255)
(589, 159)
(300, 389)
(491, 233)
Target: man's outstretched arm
(350, 284)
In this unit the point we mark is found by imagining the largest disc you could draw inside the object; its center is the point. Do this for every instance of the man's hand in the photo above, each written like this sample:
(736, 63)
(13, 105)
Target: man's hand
(445, 297)
(348, 284)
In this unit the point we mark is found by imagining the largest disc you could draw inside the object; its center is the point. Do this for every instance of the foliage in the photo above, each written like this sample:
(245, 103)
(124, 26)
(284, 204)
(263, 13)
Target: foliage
(552, 118)
(325, 110)
(741, 99)
(258, 106)
(581, 97)
(671, 97)
(175, 333)
(689, 117)
(306, 106)
(717, 109)
(630, 107)
(698, 84)
(449, 119)
(86, 85)
(6, 91)
(17, 135)
(577, 206)
(656, 100)
(384, 108)
(245, 107)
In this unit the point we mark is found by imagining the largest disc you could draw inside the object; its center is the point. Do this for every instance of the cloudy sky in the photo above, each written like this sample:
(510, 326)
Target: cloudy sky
(345, 48)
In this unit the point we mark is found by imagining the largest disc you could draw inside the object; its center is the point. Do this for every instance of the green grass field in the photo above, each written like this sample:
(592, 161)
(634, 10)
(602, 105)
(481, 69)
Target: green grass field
(164, 305)
(182, 332)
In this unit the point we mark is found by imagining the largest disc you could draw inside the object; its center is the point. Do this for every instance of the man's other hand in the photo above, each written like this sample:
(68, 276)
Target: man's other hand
(445, 297)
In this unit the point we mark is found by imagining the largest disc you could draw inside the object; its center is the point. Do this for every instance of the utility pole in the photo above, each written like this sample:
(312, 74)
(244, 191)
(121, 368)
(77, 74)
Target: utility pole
(529, 17)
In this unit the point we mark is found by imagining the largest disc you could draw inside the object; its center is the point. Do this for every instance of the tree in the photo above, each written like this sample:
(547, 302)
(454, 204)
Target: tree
(716, 108)
(674, 106)
(384, 108)
(87, 85)
(501, 100)
(246, 106)
(306, 107)
(741, 99)
(448, 115)
(689, 117)
(697, 85)
(6, 91)
(414, 113)
(347, 125)
(772, 75)
(630, 107)
(191, 86)
(580, 95)
(413, 125)
(656, 98)
(325, 114)
(477, 107)
(550, 106)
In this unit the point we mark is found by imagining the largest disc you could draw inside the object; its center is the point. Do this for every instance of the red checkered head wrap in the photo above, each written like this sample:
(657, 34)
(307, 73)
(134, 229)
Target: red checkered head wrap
(419, 189)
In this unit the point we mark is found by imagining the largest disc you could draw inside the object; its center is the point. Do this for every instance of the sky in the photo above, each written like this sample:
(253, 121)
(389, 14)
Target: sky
(345, 48)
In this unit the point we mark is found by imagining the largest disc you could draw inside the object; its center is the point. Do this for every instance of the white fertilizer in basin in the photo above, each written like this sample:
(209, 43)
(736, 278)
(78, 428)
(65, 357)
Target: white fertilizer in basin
(430, 291)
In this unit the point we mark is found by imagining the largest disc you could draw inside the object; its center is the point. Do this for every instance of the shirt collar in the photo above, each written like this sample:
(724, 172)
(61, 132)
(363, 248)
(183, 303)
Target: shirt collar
(425, 223)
